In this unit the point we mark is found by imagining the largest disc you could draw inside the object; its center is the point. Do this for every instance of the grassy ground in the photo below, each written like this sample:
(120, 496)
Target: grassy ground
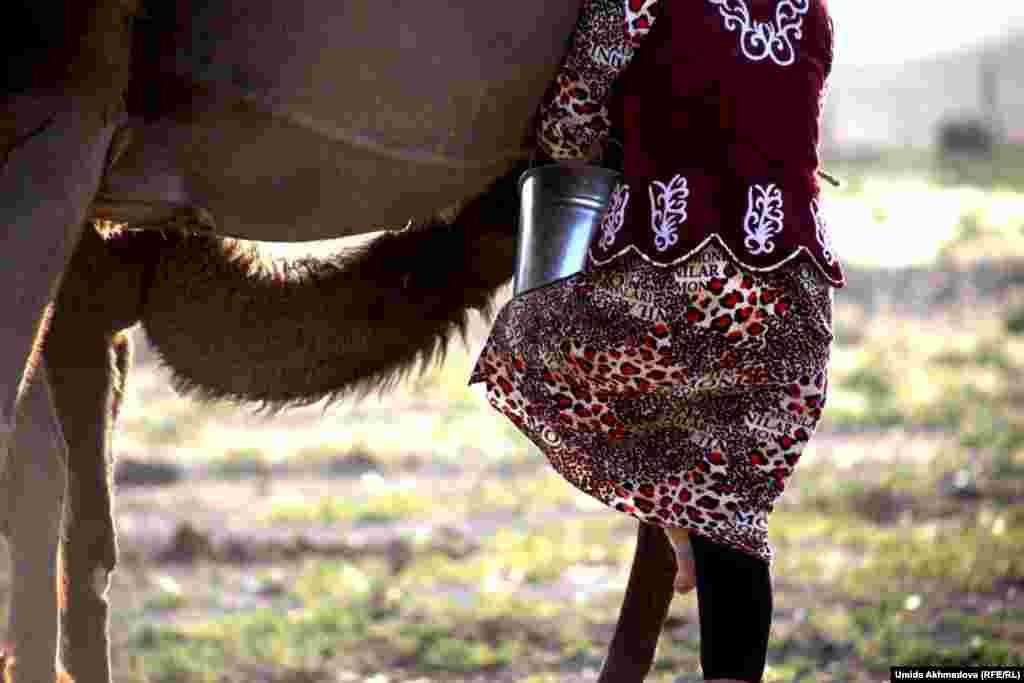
(421, 538)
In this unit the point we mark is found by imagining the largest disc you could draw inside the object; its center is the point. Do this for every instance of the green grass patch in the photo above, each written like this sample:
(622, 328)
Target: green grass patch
(166, 429)
(961, 558)
(240, 463)
(167, 595)
(1015, 320)
(533, 488)
(535, 555)
(362, 625)
(988, 353)
(864, 556)
(898, 630)
(165, 654)
(377, 509)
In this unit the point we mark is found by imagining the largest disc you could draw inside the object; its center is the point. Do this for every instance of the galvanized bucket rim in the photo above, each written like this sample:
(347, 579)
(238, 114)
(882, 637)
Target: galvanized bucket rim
(574, 165)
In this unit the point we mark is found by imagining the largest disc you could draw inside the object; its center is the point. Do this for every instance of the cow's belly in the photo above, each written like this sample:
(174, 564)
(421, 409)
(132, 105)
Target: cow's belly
(335, 118)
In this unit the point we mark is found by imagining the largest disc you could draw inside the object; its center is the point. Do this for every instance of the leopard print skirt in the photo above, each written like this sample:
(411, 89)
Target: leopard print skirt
(680, 395)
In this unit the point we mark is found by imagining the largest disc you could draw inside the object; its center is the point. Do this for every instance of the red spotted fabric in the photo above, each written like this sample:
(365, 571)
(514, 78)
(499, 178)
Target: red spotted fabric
(573, 116)
(683, 396)
(679, 377)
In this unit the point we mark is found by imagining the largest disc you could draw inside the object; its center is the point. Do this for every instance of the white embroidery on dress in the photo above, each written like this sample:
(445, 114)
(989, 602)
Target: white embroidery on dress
(668, 210)
(614, 57)
(613, 215)
(824, 234)
(762, 39)
(763, 219)
(635, 28)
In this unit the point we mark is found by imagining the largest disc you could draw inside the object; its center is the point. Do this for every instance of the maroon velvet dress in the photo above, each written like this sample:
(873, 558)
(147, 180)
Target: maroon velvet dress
(680, 375)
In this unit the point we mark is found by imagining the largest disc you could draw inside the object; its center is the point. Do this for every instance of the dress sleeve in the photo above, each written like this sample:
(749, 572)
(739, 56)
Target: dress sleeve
(573, 116)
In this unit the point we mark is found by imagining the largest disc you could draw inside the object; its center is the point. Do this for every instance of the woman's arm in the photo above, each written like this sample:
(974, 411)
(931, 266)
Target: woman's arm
(573, 119)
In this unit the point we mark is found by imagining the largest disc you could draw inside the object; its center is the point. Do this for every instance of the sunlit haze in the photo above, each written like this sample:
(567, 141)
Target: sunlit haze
(884, 31)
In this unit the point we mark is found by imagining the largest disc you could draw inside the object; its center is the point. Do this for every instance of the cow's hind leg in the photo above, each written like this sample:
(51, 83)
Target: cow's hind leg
(87, 355)
(34, 495)
(88, 383)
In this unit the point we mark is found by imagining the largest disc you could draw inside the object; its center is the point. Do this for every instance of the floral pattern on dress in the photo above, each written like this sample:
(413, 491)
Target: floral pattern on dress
(764, 218)
(824, 234)
(668, 210)
(611, 223)
(760, 40)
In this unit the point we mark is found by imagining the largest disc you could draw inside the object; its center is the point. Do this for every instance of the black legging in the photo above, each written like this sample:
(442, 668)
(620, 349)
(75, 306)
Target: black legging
(734, 600)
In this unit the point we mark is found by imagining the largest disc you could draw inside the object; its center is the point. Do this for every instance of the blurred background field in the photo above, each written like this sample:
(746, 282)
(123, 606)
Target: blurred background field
(420, 537)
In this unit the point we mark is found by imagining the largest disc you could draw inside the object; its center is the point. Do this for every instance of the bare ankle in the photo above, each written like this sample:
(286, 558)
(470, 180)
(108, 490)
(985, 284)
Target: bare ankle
(677, 536)
(686, 572)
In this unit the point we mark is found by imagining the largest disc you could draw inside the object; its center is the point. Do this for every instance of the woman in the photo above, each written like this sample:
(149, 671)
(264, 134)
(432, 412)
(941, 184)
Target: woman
(679, 376)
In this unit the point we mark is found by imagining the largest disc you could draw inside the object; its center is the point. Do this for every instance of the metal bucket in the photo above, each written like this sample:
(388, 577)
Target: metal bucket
(561, 206)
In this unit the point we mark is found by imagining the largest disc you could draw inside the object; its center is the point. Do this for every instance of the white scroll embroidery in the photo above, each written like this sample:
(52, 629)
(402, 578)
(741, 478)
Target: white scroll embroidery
(635, 27)
(760, 39)
(763, 219)
(613, 216)
(668, 210)
(824, 234)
